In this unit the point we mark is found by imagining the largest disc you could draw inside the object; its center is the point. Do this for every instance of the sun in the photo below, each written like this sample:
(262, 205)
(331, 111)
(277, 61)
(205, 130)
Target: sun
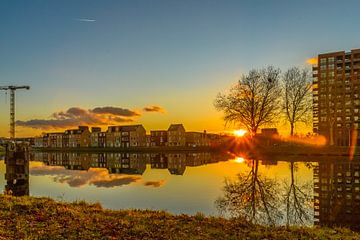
(239, 160)
(240, 132)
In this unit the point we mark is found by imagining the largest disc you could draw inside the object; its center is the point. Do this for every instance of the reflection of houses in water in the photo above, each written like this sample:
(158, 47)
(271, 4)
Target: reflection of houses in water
(198, 159)
(99, 160)
(337, 194)
(177, 163)
(159, 160)
(128, 163)
(77, 161)
(17, 173)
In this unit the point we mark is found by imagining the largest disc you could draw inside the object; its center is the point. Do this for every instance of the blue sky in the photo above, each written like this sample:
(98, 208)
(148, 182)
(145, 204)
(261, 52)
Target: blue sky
(174, 54)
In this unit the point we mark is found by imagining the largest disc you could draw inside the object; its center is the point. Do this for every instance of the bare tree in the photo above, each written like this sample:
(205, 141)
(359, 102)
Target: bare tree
(297, 103)
(298, 200)
(253, 197)
(253, 101)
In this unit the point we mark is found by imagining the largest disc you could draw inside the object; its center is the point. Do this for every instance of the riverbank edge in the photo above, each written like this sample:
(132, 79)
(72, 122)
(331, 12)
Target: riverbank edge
(44, 218)
(255, 151)
(129, 149)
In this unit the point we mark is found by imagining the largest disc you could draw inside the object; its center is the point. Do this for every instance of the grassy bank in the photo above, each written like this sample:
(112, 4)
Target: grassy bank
(43, 218)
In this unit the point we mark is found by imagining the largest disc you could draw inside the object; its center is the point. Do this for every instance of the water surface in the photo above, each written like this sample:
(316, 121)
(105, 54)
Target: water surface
(286, 190)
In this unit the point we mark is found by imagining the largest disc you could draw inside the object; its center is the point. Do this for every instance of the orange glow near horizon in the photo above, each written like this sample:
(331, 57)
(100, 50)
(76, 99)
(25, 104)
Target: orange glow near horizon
(312, 61)
(239, 133)
(313, 140)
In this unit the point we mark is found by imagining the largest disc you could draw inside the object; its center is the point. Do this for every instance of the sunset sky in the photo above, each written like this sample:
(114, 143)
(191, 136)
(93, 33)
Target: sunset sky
(153, 62)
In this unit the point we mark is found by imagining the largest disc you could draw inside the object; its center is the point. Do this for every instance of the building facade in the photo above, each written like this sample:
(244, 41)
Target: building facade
(55, 140)
(113, 136)
(336, 102)
(133, 136)
(176, 135)
(196, 139)
(158, 138)
(77, 137)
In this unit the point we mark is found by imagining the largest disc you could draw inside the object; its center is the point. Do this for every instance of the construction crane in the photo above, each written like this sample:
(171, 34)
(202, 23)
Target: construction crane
(12, 90)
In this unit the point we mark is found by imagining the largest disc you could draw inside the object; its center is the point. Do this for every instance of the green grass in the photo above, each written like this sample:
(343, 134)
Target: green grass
(43, 218)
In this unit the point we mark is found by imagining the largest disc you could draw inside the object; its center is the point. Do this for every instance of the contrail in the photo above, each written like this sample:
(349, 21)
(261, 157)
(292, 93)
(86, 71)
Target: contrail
(85, 20)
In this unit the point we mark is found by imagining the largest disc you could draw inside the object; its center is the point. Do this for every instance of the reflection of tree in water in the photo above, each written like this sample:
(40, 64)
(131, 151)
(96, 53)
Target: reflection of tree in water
(298, 200)
(252, 196)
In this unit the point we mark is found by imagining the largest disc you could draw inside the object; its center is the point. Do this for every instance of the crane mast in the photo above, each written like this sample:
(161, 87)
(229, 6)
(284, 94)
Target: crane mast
(12, 90)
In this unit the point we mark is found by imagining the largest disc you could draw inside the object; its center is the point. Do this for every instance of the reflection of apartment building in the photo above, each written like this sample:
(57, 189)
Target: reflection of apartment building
(133, 136)
(196, 139)
(77, 137)
(127, 163)
(99, 160)
(54, 159)
(159, 161)
(77, 161)
(198, 159)
(177, 163)
(336, 97)
(337, 193)
(176, 135)
(158, 138)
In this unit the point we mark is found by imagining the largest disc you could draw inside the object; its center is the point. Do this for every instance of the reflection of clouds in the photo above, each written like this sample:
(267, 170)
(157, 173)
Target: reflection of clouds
(98, 177)
(94, 176)
(154, 183)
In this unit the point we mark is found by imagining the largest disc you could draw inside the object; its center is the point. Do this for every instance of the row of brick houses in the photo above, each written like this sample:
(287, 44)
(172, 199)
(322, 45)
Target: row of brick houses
(123, 137)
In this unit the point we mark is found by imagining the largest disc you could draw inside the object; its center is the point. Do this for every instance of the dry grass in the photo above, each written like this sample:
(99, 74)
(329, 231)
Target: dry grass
(43, 218)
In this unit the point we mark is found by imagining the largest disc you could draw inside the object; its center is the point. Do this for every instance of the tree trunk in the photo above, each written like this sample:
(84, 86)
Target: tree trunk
(291, 129)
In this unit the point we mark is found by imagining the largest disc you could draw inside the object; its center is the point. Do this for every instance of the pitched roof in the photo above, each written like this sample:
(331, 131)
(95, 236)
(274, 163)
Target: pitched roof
(130, 128)
(176, 127)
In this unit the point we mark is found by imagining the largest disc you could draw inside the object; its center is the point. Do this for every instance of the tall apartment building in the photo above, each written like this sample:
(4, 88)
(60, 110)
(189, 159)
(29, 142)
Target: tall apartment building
(336, 101)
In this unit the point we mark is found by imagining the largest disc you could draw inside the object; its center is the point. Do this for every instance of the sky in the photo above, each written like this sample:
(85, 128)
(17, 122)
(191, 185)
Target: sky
(153, 62)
